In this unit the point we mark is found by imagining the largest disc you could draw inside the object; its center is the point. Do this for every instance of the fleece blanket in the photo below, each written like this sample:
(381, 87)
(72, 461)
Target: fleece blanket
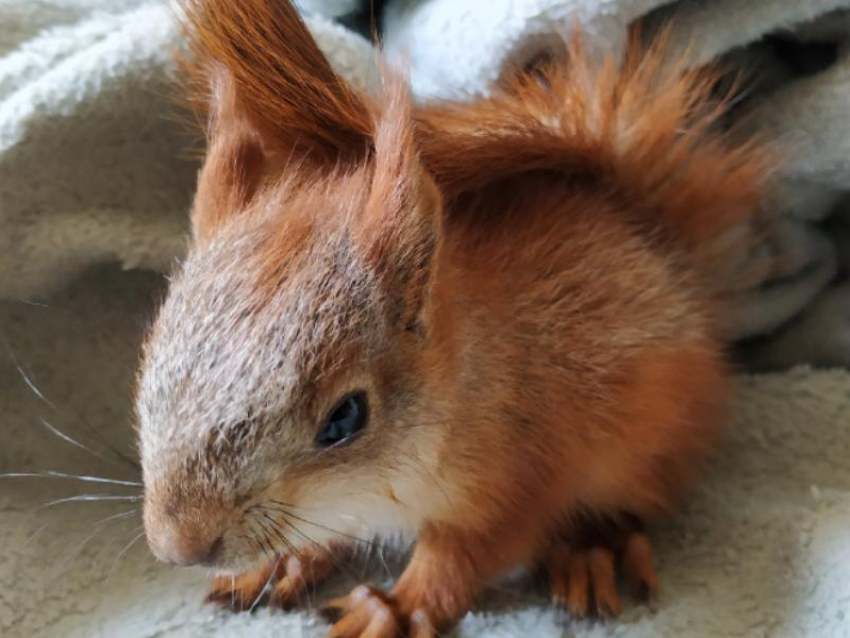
(97, 166)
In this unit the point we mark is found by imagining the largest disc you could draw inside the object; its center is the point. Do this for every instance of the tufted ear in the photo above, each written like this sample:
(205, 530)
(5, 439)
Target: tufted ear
(234, 162)
(276, 102)
(401, 225)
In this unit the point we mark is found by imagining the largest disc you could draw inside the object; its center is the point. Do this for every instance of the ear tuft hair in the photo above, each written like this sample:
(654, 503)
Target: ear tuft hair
(235, 161)
(285, 85)
(401, 225)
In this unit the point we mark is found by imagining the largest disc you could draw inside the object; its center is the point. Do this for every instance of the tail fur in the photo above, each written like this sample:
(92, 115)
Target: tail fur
(645, 130)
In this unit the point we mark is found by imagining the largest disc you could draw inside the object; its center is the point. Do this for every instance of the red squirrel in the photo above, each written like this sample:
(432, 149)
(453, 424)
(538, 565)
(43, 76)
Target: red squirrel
(488, 327)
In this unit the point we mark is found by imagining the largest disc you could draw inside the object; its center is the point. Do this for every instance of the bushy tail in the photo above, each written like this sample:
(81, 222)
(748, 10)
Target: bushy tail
(645, 130)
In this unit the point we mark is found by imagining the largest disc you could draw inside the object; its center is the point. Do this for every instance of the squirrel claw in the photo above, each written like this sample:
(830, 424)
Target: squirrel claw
(584, 582)
(637, 565)
(368, 612)
(584, 579)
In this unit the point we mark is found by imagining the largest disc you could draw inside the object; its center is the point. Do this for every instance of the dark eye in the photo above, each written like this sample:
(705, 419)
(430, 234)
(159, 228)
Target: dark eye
(347, 418)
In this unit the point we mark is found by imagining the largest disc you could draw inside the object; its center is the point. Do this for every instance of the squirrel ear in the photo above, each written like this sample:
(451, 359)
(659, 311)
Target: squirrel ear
(401, 226)
(287, 88)
(234, 161)
(276, 102)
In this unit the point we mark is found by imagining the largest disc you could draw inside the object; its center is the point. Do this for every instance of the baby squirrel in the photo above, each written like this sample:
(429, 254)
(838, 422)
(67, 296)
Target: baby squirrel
(486, 326)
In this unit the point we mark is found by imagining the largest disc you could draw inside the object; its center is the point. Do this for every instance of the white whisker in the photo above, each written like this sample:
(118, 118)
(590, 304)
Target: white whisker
(96, 527)
(68, 439)
(34, 535)
(126, 549)
(32, 303)
(32, 386)
(91, 497)
(124, 514)
(118, 454)
(75, 477)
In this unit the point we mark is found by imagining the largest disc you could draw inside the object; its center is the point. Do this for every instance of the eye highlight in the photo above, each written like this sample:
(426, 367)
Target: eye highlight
(345, 420)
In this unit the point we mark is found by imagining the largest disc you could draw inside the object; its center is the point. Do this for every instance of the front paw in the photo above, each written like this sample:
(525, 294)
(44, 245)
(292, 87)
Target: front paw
(368, 612)
(245, 591)
(279, 583)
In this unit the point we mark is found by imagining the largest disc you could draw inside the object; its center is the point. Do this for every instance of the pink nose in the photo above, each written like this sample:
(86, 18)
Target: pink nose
(184, 547)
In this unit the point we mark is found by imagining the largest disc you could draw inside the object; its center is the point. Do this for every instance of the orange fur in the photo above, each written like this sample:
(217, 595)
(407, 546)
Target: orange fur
(287, 87)
(520, 283)
(235, 162)
(643, 130)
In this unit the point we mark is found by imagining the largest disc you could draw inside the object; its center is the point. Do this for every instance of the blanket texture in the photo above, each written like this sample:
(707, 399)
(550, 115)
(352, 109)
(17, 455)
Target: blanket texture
(96, 166)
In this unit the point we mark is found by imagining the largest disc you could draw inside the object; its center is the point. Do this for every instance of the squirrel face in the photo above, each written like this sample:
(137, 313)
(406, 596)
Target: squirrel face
(283, 372)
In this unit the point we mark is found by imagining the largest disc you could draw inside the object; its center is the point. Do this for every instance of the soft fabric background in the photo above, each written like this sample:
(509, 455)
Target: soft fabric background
(95, 178)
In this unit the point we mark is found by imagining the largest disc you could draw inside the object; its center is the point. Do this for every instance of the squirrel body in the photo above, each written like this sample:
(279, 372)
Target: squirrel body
(488, 326)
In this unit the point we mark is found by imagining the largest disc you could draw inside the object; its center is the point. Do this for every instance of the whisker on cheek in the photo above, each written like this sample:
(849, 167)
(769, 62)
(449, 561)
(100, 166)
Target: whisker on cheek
(369, 547)
(74, 477)
(126, 548)
(97, 527)
(91, 498)
(34, 535)
(117, 456)
(265, 586)
(285, 510)
(263, 538)
(341, 559)
(69, 439)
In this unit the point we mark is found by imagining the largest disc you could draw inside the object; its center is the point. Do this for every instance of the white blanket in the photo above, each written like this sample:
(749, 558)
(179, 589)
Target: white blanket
(95, 166)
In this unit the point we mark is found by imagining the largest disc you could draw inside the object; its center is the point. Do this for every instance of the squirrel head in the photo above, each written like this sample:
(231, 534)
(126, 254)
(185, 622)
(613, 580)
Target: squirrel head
(281, 383)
